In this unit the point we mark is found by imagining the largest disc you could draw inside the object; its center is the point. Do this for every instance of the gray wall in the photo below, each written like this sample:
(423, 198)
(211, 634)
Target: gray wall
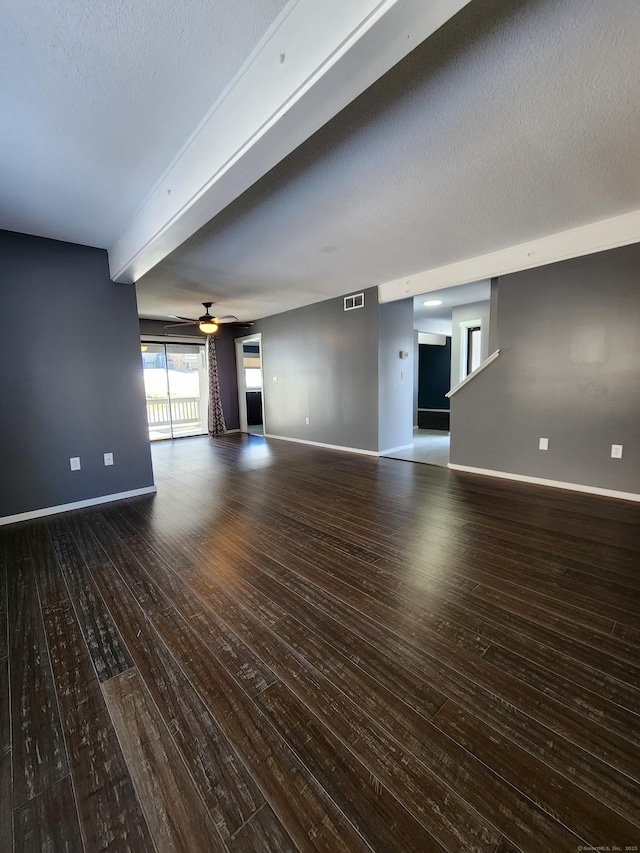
(569, 370)
(225, 351)
(71, 377)
(474, 311)
(395, 375)
(326, 363)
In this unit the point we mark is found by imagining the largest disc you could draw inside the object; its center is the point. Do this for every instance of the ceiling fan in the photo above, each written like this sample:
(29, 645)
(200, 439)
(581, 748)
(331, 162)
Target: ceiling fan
(208, 324)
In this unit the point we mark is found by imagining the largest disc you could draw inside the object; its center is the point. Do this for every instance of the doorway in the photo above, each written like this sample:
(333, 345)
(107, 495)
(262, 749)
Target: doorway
(451, 340)
(176, 389)
(250, 384)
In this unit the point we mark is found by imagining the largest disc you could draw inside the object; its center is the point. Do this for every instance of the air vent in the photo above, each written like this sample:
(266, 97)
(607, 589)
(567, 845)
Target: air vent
(352, 302)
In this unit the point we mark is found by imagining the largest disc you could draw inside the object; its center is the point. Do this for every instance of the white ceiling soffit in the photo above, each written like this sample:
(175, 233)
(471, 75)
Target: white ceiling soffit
(314, 60)
(574, 243)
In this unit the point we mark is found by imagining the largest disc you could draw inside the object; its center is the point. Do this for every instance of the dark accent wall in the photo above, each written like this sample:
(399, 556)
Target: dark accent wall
(71, 377)
(569, 371)
(226, 355)
(325, 361)
(434, 375)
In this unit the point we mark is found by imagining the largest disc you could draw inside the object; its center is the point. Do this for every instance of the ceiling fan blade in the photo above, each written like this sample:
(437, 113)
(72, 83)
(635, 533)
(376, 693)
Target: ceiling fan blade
(230, 320)
(226, 320)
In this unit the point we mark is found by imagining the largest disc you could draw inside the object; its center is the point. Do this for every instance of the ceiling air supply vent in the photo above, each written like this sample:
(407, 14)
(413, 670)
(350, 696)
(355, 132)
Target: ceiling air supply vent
(351, 302)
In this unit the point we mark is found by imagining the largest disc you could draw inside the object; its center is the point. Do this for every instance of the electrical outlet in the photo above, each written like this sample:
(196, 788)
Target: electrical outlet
(306, 420)
(74, 463)
(108, 458)
(543, 444)
(275, 379)
(616, 451)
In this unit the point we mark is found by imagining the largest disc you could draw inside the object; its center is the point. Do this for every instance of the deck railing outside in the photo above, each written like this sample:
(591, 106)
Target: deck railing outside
(183, 410)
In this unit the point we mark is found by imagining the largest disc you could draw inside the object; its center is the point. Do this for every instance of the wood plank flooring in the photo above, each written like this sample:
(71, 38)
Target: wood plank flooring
(291, 649)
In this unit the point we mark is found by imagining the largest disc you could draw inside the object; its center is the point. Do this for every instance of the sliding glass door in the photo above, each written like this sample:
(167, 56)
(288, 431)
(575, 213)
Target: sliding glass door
(175, 381)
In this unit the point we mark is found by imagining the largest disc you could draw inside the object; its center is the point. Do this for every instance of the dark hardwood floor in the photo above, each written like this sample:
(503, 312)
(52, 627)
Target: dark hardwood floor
(290, 649)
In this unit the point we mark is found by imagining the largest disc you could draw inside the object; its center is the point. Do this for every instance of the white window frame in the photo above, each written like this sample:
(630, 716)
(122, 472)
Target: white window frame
(463, 328)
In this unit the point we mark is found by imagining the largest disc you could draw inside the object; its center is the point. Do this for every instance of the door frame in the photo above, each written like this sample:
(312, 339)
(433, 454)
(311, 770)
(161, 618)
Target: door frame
(242, 388)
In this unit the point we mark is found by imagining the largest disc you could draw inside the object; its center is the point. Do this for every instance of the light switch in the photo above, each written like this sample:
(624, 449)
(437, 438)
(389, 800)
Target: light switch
(543, 444)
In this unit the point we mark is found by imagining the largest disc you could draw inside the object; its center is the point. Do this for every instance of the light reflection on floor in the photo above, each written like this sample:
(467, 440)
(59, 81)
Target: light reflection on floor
(430, 446)
(255, 453)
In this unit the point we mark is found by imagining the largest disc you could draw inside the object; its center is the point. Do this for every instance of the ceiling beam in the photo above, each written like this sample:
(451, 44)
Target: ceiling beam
(574, 243)
(316, 58)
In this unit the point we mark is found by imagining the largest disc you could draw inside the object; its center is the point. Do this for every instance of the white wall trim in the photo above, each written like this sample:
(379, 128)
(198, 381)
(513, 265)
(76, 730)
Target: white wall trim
(321, 444)
(395, 449)
(53, 510)
(159, 338)
(540, 481)
(473, 375)
(574, 243)
(242, 388)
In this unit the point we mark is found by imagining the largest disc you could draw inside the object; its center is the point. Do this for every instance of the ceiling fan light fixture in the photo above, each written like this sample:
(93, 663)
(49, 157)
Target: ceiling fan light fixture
(208, 327)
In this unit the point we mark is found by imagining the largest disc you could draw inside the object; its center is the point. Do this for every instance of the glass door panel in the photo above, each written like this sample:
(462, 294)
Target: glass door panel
(175, 381)
(156, 386)
(187, 389)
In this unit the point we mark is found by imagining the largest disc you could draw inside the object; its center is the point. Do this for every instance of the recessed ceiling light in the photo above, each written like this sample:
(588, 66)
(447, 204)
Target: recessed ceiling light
(431, 303)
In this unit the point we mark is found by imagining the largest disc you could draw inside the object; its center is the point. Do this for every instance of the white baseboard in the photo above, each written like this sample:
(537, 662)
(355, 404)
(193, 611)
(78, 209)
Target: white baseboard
(52, 510)
(395, 449)
(540, 481)
(321, 444)
(230, 431)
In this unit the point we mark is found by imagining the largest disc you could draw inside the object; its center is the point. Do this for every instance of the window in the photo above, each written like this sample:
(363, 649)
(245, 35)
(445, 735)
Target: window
(252, 378)
(470, 337)
(473, 348)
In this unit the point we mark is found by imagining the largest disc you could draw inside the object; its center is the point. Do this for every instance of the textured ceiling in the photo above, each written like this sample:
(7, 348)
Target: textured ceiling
(514, 121)
(517, 119)
(98, 97)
